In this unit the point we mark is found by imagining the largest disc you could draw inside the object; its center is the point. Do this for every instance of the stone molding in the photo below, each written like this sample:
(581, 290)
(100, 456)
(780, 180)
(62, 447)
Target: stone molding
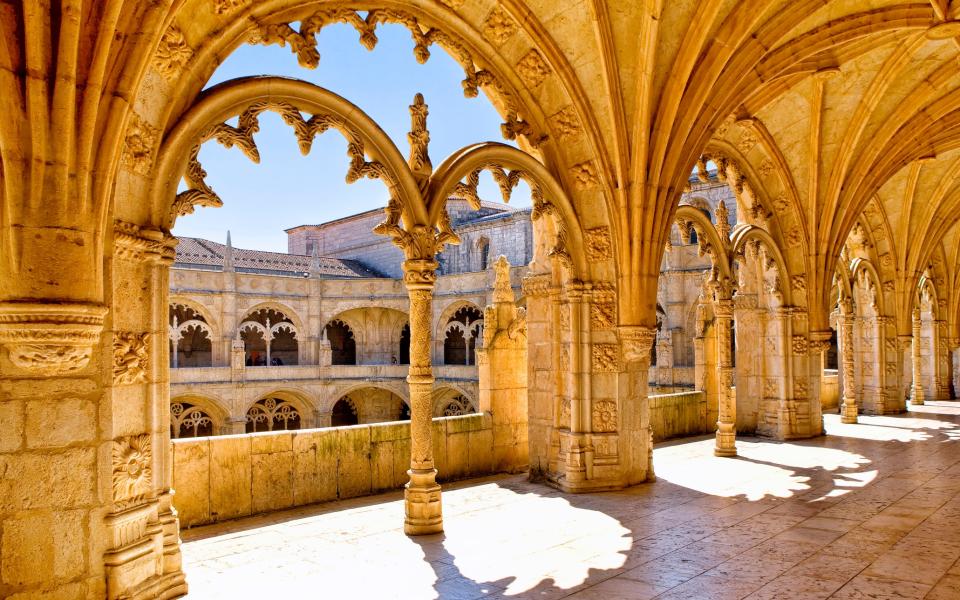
(50, 339)
(142, 244)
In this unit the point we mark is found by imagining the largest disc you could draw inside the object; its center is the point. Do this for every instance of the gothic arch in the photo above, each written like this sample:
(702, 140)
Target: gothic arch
(743, 234)
(200, 309)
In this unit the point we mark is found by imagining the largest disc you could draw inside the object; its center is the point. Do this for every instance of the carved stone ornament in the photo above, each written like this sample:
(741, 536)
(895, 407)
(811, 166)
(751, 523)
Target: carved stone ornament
(130, 357)
(605, 416)
(605, 358)
(799, 344)
(599, 244)
(142, 244)
(502, 290)
(536, 285)
(585, 175)
(139, 145)
(636, 342)
(499, 26)
(132, 469)
(532, 69)
(603, 315)
(566, 124)
(50, 339)
(172, 54)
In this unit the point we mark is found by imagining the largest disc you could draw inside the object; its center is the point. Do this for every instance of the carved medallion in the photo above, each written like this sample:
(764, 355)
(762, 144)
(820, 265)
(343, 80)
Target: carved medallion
(132, 470)
(130, 357)
(604, 416)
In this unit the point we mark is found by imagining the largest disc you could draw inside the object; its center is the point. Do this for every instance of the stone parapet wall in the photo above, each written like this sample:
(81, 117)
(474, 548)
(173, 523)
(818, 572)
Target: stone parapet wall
(678, 415)
(231, 476)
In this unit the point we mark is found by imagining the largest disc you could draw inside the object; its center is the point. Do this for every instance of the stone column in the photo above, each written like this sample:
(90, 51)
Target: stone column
(727, 409)
(916, 393)
(636, 433)
(422, 494)
(848, 404)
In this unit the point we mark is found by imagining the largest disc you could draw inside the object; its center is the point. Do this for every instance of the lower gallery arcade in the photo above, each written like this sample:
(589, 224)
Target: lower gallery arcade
(743, 231)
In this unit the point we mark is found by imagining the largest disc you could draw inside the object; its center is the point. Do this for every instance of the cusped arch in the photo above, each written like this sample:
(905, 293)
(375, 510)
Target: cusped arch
(197, 307)
(301, 399)
(444, 393)
(279, 307)
(549, 197)
(447, 313)
(215, 407)
(707, 236)
(290, 97)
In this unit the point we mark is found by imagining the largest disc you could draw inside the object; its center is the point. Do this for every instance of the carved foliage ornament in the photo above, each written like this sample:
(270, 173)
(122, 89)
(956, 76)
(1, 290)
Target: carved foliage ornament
(172, 54)
(599, 244)
(241, 136)
(139, 145)
(636, 342)
(132, 469)
(605, 358)
(303, 43)
(50, 339)
(130, 357)
(142, 244)
(499, 26)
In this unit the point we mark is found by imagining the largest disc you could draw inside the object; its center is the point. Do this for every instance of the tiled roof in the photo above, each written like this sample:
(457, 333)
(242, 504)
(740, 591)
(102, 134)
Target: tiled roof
(196, 252)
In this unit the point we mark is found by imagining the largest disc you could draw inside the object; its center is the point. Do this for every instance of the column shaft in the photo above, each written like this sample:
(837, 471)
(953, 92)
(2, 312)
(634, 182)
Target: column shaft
(726, 408)
(422, 494)
(848, 407)
(916, 394)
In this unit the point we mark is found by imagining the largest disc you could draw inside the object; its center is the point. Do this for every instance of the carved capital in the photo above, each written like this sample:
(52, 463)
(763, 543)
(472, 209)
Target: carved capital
(536, 285)
(50, 339)
(420, 273)
(636, 342)
(143, 244)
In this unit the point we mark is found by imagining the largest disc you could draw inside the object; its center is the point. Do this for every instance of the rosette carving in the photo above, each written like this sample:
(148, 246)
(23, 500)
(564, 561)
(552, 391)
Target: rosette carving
(130, 357)
(132, 469)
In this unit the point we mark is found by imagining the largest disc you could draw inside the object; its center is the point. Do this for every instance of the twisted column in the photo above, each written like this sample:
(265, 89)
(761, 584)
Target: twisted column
(916, 393)
(422, 493)
(726, 409)
(848, 405)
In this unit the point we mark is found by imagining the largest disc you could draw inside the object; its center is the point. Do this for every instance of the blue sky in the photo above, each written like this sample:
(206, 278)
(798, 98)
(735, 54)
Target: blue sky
(287, 189)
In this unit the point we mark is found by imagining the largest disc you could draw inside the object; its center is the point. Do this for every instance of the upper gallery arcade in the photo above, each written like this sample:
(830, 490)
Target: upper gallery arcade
(835, 125)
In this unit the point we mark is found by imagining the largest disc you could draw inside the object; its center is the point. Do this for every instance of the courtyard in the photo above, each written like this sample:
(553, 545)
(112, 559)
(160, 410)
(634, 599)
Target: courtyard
(871, 510)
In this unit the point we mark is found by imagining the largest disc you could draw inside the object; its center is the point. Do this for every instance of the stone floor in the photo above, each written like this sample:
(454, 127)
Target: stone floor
(869, 511)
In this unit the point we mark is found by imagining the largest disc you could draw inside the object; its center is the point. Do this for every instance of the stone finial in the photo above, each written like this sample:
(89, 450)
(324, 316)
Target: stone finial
(419, 138)
(502, 290)
(228, 255)
(314, 262)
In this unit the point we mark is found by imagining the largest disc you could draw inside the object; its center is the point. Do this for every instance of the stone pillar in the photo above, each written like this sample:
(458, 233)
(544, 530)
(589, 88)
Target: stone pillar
(636, 434)
(848, 404)
(235, 425)
(727, 409)
(422, 493)
(238, 359)
(916, 392)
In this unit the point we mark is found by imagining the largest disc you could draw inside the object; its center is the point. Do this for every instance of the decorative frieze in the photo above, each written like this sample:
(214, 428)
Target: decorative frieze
(535, 286)
(50, 339)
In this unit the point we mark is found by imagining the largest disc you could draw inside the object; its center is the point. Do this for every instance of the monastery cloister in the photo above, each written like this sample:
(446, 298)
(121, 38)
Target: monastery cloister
(744, 224)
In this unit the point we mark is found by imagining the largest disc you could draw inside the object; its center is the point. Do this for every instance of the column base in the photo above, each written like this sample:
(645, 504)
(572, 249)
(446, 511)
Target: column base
(424, 513)
(916, 396)
(726, 445)
(848, 413)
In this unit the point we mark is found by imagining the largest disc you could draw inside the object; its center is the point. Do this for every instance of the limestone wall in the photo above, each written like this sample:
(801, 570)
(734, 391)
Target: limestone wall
(226, 477)
(830, 390)
(677, 415)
